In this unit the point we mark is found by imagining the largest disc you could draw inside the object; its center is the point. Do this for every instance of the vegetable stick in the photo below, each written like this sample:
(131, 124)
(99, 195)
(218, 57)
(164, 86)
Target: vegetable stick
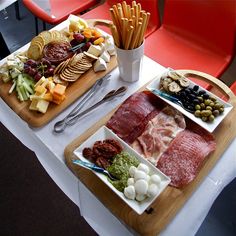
(129, 36)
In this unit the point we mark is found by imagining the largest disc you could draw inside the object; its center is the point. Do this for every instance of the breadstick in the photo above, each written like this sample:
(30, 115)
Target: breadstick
(135, 36)
(124, 7)
(129, 36)
(140, 40)
(115, 35)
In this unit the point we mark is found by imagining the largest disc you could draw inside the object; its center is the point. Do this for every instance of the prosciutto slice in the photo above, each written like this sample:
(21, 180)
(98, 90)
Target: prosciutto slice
(130, 120)
(185, 155)
(158, 134)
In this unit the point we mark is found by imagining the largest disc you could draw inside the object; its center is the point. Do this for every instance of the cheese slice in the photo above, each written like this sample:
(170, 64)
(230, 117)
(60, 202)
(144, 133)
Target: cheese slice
(100, 65)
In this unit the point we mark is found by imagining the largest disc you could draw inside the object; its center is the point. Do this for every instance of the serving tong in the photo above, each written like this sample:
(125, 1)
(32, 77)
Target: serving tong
(170, 98)
(73, 117)
(94, 167)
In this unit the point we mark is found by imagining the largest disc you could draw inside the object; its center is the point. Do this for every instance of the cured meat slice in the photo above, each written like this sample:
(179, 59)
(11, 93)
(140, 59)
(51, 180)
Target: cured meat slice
(130, 120)
(185, 155)
(158, 134)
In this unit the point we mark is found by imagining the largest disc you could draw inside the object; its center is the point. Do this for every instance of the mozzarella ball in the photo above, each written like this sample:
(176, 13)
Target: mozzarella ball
(130, 181)
(129, 192)
(132, 171)
(152, 190)
(148, 178)
(143, 168)
(140, 197)
(141, 186)
(140, 175)
(156, 179)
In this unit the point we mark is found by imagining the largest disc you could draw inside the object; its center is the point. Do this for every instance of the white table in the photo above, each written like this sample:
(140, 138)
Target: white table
(49, 148)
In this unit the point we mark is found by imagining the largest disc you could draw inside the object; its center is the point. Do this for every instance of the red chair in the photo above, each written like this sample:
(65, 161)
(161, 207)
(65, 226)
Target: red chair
(198, 35)
(102, 12)
(55, 11)
(233, 87)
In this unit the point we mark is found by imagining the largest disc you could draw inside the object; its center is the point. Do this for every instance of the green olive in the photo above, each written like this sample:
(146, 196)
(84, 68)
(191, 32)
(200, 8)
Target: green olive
(206, 112)
(197, 107)
(200, 99)
(209, 108)
(217, 105)
(207, 102)
(221, 110)
(203, 105)
(211, 118)
(212, 99)
(197, 113)
(212, 104)
(216, 113)
(204, 118)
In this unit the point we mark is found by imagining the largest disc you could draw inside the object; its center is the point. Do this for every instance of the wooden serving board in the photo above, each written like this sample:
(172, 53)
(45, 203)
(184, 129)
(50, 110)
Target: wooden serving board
(73, 92)
(154, 220)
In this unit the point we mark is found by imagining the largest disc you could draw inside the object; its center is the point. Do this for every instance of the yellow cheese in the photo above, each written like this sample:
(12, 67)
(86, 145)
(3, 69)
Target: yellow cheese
(40, 90)
(42, 105)
(33, 105)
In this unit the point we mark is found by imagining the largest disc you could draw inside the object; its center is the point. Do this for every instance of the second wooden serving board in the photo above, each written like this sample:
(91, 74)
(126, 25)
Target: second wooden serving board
(155, 219)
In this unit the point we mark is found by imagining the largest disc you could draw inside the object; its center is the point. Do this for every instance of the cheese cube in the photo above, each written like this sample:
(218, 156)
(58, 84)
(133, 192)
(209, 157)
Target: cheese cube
(40, 90)
(42, 105)
(33, 105)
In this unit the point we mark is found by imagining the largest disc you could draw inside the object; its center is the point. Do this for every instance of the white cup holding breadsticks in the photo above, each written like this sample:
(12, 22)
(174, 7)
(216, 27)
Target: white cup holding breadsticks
(129, 23)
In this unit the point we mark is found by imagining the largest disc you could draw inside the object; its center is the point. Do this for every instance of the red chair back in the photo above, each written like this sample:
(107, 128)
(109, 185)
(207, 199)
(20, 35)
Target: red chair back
(102, 12)
(211, 23)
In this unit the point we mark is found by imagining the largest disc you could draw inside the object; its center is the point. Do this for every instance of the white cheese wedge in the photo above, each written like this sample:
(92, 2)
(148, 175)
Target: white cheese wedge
(105, 56)
(109, 46)
(100, 65)
(95, 50)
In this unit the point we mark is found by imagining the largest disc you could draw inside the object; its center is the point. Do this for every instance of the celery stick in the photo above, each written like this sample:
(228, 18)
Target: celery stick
(12, 87)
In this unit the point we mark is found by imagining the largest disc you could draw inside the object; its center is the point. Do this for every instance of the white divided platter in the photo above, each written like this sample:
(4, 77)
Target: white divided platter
(209, 126)
(105, 133)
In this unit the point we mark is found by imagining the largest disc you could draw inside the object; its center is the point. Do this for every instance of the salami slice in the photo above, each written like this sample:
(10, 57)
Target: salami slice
(185, 155)
(130, 120)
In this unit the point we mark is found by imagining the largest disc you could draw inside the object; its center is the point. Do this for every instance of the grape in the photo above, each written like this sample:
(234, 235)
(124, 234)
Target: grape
(26, 68)
(31, 63)
(32, 71)
(78, 37)
(46, 62)
(49, 72)
(86, 46)
(73, 42)
(38, 76)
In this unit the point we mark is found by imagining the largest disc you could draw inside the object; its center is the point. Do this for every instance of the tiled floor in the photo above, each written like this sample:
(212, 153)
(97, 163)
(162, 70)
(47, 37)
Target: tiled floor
(221, 220)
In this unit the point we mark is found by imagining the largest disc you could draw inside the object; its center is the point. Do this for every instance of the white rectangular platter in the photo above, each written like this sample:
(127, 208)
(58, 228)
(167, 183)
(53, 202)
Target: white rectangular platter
(105, 133)
(209, 126)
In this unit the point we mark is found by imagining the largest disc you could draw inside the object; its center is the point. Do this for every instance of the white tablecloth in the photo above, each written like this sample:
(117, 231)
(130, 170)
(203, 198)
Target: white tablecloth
(49, 149)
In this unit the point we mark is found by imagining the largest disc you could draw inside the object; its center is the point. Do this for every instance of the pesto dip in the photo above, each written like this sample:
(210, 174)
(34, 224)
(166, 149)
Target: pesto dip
(120, 169)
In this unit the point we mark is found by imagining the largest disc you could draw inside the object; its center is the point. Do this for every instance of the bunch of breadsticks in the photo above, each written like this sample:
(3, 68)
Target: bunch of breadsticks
(129, 23)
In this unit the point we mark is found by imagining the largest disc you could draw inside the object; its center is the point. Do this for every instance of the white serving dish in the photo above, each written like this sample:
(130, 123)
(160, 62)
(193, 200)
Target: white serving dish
(155, 84)
(105, 133)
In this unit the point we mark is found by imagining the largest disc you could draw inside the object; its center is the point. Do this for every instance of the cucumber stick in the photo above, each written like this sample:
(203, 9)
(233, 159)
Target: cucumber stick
(24, 86)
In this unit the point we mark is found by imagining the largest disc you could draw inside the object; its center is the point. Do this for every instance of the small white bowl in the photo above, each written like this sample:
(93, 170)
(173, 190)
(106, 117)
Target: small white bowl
(105, 133)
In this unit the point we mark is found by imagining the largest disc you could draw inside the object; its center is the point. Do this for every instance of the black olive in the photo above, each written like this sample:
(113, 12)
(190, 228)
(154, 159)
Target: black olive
(187, 90)
(195, 88)
(205, 96)
(196, 101)
(192, 96)
(201, 92)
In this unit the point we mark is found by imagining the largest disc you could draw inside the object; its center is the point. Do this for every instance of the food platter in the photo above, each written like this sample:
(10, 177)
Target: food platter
(73, 91)
(154, 87)
(165, 207)
(104, 133)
